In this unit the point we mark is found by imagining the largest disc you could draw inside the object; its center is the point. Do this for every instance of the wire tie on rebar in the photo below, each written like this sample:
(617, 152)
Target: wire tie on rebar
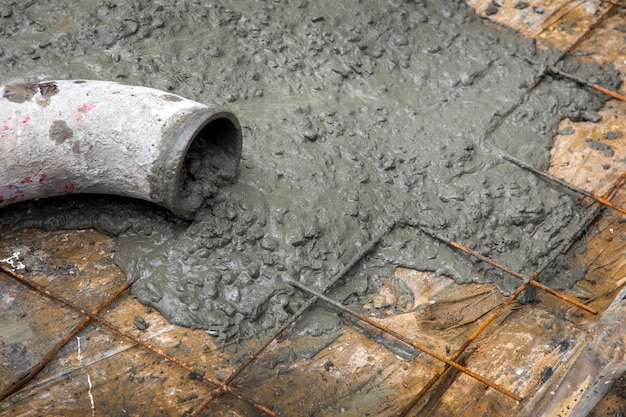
(618, 182)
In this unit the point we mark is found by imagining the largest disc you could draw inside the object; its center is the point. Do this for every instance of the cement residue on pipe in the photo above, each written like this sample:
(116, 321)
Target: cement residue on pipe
(376, 112)
(78, 136)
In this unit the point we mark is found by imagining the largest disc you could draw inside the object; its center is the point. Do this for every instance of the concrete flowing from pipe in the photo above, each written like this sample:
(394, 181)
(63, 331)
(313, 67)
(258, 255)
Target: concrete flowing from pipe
(60, 137)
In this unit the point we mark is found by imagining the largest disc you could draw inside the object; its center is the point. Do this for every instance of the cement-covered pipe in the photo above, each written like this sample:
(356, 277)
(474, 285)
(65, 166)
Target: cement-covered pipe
(60, 137)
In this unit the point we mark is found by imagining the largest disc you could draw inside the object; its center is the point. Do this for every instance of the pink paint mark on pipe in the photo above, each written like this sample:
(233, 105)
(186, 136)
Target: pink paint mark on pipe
(69, 188)
(11, 193)
(5, 127)
(83, 108)
(37, 176)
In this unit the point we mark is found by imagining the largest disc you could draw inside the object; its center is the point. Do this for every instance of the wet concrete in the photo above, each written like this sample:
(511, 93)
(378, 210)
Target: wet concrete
(210, 163)
(353, 118)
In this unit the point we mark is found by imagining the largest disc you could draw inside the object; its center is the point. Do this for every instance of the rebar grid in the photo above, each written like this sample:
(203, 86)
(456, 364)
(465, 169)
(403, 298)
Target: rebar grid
(222, 387)
(355, 259)
(225, 386)
(198, 373)
(494, 314)
(527, 282)
(32, 373)
(405, 340)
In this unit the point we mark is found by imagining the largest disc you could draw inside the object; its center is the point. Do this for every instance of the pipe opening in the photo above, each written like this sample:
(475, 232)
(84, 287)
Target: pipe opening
(211, 162)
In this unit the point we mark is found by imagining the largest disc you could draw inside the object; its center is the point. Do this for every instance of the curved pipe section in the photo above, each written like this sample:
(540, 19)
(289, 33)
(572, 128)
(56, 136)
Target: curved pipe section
(60, 137)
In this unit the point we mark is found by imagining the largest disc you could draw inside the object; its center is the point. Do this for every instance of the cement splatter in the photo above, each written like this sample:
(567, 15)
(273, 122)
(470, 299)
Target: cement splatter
(353, 116)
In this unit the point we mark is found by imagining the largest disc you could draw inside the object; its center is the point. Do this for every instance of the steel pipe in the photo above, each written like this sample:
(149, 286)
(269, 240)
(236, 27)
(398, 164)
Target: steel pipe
(60, 137)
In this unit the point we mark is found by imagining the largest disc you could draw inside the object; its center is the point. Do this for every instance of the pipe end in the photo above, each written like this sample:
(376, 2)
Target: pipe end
(211, 161)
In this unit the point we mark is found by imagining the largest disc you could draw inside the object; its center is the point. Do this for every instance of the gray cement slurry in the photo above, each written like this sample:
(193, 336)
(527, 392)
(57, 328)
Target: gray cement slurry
(354, 116)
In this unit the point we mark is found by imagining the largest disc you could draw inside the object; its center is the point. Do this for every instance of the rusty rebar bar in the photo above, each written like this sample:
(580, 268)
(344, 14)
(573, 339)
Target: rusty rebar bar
(517, 275)
(578, 40)
(487, 321)
(586, 83)
(611, 192)
(34, 371)
(492, 316)
(530, 168)
(42, 290)
(340, 274)
(404, 339)
(509, 271)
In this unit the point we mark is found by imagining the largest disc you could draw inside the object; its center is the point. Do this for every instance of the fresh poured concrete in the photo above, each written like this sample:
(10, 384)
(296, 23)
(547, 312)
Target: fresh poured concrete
(354, 118)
